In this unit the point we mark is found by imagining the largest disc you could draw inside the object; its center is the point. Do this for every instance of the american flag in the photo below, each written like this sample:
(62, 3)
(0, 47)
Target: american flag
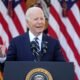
(64, 24)
(12, 19)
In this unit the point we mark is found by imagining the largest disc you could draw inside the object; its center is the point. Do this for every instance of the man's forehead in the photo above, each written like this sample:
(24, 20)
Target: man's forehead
(34, 9)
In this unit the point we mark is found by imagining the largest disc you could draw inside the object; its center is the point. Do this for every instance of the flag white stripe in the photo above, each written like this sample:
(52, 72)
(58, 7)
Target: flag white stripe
(75, 10)
(53, 23)
(4, 36)
(70, 31)
(3, 8)
(19, 12)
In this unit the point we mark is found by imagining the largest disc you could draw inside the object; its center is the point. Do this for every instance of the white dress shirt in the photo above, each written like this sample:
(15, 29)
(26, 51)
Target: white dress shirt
(32, 38)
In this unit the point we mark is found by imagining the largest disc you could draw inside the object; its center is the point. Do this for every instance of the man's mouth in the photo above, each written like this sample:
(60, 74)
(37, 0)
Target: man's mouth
(38, 26)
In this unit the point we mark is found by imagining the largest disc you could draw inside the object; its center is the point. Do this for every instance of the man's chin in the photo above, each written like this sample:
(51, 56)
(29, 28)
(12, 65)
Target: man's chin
(40, 32)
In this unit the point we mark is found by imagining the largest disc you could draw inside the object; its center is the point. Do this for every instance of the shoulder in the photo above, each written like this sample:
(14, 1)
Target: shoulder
(19, 38)
(51, 39)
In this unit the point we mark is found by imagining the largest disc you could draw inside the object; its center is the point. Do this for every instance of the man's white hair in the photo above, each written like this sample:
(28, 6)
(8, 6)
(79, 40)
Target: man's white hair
(30, 10)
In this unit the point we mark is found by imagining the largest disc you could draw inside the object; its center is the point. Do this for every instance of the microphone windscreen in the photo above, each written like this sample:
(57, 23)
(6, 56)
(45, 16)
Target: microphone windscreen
(44, 47)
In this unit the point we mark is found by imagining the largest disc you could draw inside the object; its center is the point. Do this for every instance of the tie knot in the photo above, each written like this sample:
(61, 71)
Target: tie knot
(36, 38)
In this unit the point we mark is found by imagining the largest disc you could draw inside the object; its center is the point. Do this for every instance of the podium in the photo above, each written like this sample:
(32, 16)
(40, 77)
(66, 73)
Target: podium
(24, 70)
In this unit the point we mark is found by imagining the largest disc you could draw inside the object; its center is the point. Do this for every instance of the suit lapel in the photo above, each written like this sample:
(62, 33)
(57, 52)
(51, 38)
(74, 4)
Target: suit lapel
(28, 48)
(44, 39)
(27, 45)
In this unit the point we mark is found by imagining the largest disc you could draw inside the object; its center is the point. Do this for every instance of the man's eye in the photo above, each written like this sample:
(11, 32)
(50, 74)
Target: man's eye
(36, 19)
(41, 18)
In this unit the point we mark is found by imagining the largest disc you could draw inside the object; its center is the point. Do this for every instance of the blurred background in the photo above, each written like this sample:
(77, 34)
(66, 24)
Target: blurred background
(62, 23)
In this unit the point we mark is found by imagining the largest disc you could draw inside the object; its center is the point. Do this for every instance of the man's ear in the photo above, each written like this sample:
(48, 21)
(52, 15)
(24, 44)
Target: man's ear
(27, 24)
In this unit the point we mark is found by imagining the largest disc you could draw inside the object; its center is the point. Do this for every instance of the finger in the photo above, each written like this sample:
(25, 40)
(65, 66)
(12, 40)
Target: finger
(3, 48)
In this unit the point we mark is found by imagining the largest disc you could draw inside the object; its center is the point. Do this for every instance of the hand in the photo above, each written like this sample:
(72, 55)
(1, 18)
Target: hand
(3, 49)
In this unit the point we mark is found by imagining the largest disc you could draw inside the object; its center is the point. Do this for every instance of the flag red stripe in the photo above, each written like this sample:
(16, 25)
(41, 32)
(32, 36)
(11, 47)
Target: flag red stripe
(63, 30)
(5, 26)
(24, 7)
(17, 23)
(74, 22)
(65, 56)
(75, 77)
(52, 32)
(78, 4)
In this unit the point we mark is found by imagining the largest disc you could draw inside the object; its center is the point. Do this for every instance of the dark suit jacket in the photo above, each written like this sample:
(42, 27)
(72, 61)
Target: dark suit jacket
(20, 50)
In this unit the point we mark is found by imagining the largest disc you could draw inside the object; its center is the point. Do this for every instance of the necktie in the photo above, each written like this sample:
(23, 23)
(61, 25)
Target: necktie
(37, 45)
(37, 50)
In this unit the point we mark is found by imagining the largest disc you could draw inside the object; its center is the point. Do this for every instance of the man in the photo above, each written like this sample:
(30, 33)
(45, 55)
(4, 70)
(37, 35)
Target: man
(22, 49)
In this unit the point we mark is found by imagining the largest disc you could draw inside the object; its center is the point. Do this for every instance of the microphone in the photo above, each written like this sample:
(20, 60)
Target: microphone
(33, 46)
(39, 55)
(44, 47)
(34, 51)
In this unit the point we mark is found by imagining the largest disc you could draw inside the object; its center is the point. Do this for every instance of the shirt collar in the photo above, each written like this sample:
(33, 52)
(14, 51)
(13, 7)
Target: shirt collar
(32, 36)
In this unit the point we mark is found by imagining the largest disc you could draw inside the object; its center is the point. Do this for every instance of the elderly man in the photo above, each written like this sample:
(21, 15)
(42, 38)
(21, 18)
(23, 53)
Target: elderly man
(34, 45)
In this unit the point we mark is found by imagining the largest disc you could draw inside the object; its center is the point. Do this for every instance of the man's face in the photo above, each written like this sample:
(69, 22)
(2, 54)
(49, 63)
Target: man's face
(36, 22)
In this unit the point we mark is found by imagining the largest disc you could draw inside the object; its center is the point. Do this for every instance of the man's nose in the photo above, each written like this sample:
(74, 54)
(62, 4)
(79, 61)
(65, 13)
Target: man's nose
(39, 21)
